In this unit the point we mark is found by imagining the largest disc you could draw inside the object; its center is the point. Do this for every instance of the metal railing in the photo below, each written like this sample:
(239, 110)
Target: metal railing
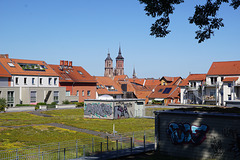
(81, 148)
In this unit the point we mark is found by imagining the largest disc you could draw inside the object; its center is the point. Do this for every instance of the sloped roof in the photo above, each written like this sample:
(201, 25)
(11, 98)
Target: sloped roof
(13, 67)
(4, 72)
(193, 77)
(142, 94)
(159, 92)
(225, 68)
(120, 77)
(171, 80)
(230, 79)
(145, 81)
(74, 74)
(102, 82)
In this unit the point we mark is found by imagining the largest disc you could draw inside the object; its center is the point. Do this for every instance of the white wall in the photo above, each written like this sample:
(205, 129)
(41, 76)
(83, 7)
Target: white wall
(45, 81)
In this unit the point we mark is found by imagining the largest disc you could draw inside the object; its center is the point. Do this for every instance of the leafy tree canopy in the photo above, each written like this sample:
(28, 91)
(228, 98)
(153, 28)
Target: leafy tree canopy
(205, 16)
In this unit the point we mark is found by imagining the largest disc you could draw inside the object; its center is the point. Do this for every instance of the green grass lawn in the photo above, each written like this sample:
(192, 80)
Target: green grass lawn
(40, 133)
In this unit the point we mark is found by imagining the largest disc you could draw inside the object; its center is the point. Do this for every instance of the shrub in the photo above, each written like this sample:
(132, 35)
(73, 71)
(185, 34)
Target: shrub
(3, 104)
(54, 103)
(19, 105)
(65, 102)
(41, 103)
(79, 104)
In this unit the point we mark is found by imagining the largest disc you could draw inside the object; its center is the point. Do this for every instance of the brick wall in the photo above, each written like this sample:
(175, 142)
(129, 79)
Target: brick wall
(198, 135)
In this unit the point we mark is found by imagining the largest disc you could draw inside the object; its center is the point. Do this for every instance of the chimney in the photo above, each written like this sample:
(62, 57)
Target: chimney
(70, 64)
(61, 64)
(3, 55)
(66, 64)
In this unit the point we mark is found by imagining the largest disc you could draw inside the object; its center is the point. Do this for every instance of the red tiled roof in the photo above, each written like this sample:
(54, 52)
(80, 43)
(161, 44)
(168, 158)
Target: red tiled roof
(74, 74)
(193, 77)
(120, 77)
(159, 92)
(142, 94)
(146, 82)
(4, 72)
(16, 69)
(230, 79)
(107, 81)
(225, 68)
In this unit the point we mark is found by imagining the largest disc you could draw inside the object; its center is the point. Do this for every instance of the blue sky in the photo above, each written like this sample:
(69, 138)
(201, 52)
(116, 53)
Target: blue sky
(82, 31)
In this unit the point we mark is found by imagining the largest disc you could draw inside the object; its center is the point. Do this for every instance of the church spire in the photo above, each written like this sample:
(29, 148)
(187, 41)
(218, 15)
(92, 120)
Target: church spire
(119, 54)
(134, 73)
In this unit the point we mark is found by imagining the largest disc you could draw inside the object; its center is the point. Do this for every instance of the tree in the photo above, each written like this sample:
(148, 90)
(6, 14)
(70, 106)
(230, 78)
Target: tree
(205, 16)
(3, 104)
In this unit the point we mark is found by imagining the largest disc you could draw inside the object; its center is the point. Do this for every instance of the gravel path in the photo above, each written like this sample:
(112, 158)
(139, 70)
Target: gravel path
(38, 113)
(100, 134)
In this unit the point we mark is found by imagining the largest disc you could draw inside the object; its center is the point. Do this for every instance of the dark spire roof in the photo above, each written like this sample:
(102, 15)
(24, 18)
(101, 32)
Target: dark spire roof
(108, 57)
(134, 73)
(119, 57)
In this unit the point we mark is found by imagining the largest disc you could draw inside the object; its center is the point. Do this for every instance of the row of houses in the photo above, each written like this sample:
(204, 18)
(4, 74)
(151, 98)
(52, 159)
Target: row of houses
(31, 82)
(220, 86)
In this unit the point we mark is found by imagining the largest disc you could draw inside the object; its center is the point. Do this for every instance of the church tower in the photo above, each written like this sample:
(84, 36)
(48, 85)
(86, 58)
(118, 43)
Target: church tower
(119, 70)
(108, 66)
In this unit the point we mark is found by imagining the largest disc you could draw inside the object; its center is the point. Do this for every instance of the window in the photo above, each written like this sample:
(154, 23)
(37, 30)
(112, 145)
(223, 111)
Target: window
(55, 96)
(41, 81)
(229, 97)
(213, 80)
(33, 81)
(160, 90)
(229, 84)
(213, 92)
(77, 93)
(55, 81)
(88, 93)
(11, 64)
(83, 93)
(49, 81)
(80, 72)
(10, 98)
(16, 80)
(25, 80)
(67, 93)
(33, 96)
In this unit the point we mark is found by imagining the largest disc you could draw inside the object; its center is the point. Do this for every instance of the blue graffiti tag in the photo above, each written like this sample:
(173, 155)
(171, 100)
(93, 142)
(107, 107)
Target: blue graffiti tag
(185, 133)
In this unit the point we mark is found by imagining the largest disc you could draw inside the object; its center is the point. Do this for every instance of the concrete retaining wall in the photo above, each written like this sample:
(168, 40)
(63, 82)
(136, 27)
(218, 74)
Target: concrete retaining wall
(198, 135)
(20, 109)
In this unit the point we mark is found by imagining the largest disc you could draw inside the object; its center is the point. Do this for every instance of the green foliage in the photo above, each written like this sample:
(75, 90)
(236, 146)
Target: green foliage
(41, 103)
(3, 104)
(205, 16)
(20, 105)
(66, 102)
(79, 104)
(157, 102)
(54, 103)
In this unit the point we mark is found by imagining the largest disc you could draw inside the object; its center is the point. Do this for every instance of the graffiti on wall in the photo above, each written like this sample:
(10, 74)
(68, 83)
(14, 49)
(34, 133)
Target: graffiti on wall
(121, 110)
(234, 143)
(98, 109)
(184, 133)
